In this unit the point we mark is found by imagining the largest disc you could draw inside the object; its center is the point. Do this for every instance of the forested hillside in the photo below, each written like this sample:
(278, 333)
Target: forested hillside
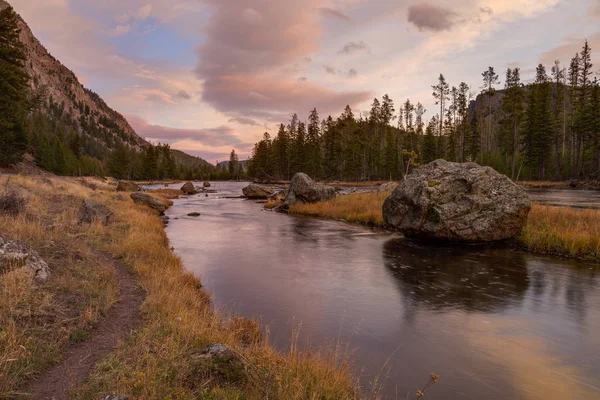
(548, 129)
(68, 129)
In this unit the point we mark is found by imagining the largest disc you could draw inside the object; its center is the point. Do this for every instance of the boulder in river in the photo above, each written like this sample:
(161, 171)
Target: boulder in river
(206, 184)
(125, 186)
(305, 190)
(91, 210)
(148, 200)
(16, 255)
(457, 202)
(254, 191)
(189, 188)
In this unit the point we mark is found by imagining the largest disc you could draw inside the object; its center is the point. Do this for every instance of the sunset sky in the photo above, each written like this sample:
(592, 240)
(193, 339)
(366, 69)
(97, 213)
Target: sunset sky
(207, 76)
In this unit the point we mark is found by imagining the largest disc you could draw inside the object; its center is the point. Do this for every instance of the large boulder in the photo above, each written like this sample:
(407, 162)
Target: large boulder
(457, 202)
(150, 201)
(125, 186)
(91, 210)
(206, 184)
(16, 255)
(254, 191)
(305, 190)
(189, 188)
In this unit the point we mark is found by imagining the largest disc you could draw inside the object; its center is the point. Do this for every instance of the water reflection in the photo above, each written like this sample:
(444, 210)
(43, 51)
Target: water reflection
(443, 277)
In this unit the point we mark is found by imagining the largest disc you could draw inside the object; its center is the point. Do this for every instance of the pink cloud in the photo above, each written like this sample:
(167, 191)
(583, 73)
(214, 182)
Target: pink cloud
(246, 57)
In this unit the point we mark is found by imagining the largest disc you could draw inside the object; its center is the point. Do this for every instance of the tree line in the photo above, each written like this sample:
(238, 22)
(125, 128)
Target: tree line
(546, 129)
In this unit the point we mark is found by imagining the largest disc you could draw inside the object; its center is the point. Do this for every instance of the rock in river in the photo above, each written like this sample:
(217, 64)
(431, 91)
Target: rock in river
(206, 184)
(150, 201)
(458, 202)
(189, 188)
(305, 190)
(15, 254)
(254, 191)
(124, 186)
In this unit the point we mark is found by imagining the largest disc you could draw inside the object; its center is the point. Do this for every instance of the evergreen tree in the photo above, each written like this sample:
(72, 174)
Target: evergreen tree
(233, 165)
(14, 82)
(429, 141)
(490, 79)
(512, 107)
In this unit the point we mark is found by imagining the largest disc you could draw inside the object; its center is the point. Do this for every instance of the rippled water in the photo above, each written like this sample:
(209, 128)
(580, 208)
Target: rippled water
(494, 323)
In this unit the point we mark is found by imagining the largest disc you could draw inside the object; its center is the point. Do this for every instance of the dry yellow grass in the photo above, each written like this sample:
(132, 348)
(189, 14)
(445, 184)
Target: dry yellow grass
(563, 231)
(554, 230)
(152, 363)
(38, 319)
(359, 208)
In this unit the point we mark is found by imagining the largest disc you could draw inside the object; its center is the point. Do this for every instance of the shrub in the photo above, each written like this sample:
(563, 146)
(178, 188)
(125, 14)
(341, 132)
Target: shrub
(11, 203)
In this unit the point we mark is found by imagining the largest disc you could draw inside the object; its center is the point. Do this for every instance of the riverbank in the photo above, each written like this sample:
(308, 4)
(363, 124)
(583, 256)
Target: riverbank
(40, 321)
(560, 231)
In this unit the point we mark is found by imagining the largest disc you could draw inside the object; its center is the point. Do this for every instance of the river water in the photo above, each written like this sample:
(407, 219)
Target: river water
(492, 322)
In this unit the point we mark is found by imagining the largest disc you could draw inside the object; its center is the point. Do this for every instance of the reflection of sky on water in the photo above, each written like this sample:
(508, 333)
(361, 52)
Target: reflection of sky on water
(494, 323)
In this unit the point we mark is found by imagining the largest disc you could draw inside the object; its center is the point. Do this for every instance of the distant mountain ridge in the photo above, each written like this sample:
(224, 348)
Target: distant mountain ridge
(68, 100)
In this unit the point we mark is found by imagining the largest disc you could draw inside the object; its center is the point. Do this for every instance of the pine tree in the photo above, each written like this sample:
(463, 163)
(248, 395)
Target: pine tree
(14, 82)
(233, 165)
(429, 142)
(512, 107)
(490, 79)
(312, 147)
(118, 163)
(441, 93)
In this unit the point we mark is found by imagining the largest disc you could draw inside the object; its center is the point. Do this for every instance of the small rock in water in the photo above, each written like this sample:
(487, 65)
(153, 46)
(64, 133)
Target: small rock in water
(194, 214)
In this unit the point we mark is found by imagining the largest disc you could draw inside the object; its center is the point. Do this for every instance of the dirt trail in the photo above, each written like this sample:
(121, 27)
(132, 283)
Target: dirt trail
(80, 358)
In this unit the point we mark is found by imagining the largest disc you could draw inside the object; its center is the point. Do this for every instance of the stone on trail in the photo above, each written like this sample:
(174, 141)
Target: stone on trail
(15, 254)
(305, 190)
(254, 191)
(457, 202)
(91, 210)
(148, 200)
(189, 188)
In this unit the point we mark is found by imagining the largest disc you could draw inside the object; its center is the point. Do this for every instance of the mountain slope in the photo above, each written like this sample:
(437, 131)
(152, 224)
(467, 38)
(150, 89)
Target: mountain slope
(100, 127)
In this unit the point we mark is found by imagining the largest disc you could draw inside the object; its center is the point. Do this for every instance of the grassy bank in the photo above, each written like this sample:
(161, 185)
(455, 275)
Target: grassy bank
(357, 208)
(154, 361)
(560, 231)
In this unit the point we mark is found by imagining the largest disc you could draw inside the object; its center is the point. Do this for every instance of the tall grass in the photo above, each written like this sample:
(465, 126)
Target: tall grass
(560, 231)
(38, 319)
(563, 231)
(363, 208)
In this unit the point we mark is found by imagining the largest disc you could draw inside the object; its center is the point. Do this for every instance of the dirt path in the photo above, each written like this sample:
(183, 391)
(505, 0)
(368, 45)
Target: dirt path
(80, 358)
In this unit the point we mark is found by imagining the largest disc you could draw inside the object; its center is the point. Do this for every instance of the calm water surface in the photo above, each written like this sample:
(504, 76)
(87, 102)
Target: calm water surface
(494, 323)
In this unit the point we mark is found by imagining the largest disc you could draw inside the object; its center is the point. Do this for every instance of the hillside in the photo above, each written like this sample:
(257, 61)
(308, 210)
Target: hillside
(66, 102)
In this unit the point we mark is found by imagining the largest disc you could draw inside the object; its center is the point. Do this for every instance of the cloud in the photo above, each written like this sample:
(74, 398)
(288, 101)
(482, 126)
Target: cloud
(250, 69)
(184, 95)
(141, 14)
(213, 137)
(430, 17)
(352, 47)
(567, 50)
(330, 70)
(302, 79)
(119, 30)
(352, 73)
(244, 121)
(333, 13)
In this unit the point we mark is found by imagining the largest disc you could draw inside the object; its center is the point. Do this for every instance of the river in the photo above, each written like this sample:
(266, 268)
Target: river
(494, 323)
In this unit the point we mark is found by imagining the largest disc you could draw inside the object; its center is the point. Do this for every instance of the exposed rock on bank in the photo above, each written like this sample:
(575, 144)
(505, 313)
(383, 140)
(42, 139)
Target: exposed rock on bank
(219, 363)
(460, 202)
(14, 254)
(150, 201)
(125, 186)
(91, 210)
(305, 190)
(254, 191)
(388, 187)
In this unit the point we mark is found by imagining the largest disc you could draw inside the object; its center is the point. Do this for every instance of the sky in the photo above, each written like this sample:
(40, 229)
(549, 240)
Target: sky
(208, 76)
